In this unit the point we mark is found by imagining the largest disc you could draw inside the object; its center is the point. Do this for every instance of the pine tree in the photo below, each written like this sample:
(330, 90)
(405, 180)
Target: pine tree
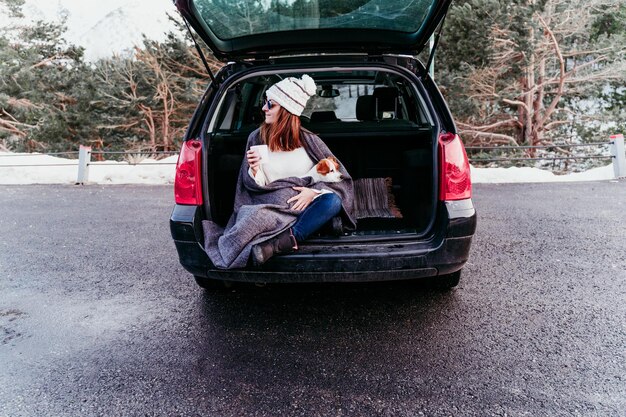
(147, 100)
(50, 99)
(45, 88)
(513, 71)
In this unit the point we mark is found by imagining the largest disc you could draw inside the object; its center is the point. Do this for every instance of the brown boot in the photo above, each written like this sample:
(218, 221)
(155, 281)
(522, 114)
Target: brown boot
(281, 244)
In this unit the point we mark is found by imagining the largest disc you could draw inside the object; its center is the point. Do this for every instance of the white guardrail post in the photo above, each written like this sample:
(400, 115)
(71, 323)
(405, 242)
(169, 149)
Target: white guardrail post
(84, 157)
(619, 158)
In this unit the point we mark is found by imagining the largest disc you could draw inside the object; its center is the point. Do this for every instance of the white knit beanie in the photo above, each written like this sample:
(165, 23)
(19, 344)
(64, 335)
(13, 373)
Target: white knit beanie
(292, 93)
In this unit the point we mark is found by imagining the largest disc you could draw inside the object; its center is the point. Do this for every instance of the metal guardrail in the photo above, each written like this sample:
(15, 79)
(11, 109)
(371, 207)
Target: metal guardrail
(38, 165)
(92, 152)
(559, 158)
(84, 160)
(565, 145)
(616, 146)
(555, 146)
(39, 154)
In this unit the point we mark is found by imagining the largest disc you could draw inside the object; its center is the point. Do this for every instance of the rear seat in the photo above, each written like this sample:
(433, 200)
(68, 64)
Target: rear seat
(359, 145)
(387, 103)
(323, 116)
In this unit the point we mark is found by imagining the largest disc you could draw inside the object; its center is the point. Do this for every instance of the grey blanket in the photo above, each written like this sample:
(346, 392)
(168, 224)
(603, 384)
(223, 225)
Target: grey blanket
(262, 212)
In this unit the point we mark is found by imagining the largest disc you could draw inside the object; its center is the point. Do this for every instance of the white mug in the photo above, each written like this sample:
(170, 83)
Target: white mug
(263, 152)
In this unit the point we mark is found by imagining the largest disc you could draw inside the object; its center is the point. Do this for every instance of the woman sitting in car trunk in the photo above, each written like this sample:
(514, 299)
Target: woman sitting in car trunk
(276, 204)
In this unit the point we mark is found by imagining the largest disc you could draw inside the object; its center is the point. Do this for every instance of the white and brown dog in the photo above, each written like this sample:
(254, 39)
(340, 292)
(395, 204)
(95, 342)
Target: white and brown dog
(326, 170)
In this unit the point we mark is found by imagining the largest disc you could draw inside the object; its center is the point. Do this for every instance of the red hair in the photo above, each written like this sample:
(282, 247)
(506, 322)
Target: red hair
(284, 133)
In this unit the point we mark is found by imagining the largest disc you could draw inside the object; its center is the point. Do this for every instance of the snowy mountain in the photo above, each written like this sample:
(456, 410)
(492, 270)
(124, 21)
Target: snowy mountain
(105, 28)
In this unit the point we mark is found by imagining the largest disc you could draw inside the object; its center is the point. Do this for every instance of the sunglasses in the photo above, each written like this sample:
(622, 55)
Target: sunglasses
(267, 102)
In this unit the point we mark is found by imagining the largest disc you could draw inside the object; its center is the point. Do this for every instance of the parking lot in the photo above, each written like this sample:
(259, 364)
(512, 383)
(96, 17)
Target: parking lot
(98, 318)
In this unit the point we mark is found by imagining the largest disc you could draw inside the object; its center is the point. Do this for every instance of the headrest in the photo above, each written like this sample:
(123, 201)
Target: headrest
(323, 116)
(387, 98)
(366, 108)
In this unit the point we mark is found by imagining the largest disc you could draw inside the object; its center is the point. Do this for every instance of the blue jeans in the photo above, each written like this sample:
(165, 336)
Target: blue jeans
(321, 210)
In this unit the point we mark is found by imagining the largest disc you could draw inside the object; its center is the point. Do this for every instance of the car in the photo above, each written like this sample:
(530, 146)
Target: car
(377, 109)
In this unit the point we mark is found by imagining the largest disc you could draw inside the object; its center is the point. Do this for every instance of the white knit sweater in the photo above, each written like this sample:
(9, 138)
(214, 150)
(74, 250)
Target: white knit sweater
(285, 164)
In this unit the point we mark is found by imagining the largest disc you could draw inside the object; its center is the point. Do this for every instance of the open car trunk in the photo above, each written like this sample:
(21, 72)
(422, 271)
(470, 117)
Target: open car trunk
(251, 29)
(373, 121)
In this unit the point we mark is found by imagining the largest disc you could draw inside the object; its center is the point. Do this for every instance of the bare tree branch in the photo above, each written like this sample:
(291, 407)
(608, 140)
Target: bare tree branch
(517, 103)
(503, 123)
(562, 75)
(507, 138)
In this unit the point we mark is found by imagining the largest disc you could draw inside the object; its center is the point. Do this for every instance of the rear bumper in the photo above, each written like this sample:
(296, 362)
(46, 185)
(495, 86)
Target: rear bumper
(444, 253)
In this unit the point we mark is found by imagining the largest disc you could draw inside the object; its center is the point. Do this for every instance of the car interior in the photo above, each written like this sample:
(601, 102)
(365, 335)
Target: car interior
(373, 121)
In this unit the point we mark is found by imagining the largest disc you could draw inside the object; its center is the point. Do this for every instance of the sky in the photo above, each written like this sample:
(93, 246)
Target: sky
(148, 172)
(104, 27)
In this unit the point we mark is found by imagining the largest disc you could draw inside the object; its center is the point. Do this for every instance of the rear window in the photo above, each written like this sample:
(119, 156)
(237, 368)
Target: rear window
(346, 98)
(343, 105)
(230, 19)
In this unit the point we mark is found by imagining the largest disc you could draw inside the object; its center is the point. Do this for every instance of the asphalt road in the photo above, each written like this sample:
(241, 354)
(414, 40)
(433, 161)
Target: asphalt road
(98, 318)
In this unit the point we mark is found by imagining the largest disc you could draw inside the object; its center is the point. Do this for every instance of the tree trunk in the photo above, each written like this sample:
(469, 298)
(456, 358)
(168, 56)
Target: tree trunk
(528, 100)
(538, 106)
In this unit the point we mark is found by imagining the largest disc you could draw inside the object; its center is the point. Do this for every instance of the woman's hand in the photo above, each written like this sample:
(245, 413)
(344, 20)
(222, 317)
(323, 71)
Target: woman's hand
(303, 199)
(254, 160)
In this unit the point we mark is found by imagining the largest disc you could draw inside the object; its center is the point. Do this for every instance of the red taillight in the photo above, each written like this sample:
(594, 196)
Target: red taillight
(188, 181)
(454, 180)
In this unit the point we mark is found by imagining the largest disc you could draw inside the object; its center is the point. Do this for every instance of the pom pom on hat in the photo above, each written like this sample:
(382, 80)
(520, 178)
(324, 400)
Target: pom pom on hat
(292, 93)
(308, 84)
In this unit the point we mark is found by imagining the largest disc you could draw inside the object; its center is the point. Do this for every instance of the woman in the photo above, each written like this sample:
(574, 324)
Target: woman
(275, 208)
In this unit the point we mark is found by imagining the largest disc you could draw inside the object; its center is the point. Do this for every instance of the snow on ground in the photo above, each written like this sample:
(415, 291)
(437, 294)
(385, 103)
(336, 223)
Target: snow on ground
(65, 171)
(150, 171)
(526, 174)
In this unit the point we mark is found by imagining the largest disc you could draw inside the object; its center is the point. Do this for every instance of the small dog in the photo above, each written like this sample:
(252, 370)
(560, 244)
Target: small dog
(326, 170)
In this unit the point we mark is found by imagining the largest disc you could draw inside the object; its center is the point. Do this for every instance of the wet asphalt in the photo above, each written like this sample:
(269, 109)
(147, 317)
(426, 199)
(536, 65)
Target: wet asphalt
(97, 317)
